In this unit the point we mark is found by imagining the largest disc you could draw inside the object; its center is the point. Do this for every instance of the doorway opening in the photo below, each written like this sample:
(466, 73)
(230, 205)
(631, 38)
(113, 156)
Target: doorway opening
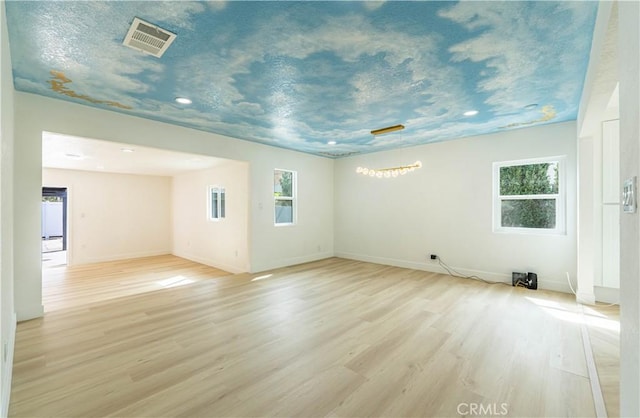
(54, 226)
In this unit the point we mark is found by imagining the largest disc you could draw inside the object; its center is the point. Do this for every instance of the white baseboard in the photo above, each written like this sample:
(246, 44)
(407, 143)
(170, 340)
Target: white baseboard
(292, 261)
(607, 294)
(25, 313)
(554, 285)
(8, 368)
(212, 263)
(586, 298)
(118, 257)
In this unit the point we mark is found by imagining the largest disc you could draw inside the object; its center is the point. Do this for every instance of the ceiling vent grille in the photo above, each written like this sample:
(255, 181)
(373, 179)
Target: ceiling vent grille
(148, 38)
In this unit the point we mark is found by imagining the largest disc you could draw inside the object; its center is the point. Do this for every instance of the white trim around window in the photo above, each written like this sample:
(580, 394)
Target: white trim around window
(216, 203)
(557, 200)
(285, 183)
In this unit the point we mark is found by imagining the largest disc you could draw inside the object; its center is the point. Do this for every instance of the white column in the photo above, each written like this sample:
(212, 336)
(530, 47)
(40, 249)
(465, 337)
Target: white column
(629, 71)
(586, 253)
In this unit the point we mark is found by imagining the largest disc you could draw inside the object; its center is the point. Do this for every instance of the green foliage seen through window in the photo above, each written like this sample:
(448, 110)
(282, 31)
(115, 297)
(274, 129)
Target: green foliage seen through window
(285, 183)
(531, 179)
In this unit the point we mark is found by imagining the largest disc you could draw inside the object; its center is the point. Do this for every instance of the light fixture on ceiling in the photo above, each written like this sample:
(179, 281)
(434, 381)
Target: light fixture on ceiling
(183, 100)
(531, 106)
(388, 172)
(470, 113)
(127, 150)
(331, 143)
(387, 130)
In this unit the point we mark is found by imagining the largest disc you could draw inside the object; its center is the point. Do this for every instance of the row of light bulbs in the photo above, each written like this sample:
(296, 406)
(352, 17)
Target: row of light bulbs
(388, 172)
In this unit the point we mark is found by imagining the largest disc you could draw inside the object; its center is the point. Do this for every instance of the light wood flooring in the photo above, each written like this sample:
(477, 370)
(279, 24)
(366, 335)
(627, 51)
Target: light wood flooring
(329, 338)
(603, 323)
(64, 287)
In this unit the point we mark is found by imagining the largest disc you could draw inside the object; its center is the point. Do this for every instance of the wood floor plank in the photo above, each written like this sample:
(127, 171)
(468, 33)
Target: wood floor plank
(603, 324)
(162, 336)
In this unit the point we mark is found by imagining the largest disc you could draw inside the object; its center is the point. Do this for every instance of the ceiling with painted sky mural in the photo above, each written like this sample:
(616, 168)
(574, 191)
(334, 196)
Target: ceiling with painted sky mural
(314, 76)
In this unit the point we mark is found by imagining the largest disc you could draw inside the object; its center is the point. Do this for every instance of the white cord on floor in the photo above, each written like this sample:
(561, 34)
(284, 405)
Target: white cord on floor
(569, 281)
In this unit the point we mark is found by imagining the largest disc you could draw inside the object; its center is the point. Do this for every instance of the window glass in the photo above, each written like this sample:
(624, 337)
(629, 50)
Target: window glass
(284, 194)
(529, 213)
(529, 179)
(216, 203)
(529, 196)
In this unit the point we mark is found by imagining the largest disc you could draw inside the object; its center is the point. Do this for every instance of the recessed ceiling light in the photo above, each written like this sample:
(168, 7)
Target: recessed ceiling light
(183, 100)
(531, 106)
(331, 143)
(126, 150)
(470, 113)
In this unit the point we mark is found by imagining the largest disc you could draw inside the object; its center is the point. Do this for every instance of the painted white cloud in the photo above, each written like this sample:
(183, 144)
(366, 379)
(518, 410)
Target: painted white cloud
(373, 4)
(216, 5)
(406, 77)
(113, 69)
(178, 13)
(350, 37)
(25, 84)
(252, 109)
(347, 38)
(522, 46)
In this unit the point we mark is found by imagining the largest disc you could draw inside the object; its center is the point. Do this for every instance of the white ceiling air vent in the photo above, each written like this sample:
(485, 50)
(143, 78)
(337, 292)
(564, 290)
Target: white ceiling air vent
(148, 38)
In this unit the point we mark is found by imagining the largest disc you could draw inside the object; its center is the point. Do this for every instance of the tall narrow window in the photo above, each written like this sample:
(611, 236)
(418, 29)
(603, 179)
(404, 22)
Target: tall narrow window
(284, 193)
(216, 203)
(529, 196)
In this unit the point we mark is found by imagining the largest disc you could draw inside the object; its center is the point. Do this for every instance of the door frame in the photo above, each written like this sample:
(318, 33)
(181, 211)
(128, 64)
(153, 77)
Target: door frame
(62, 193)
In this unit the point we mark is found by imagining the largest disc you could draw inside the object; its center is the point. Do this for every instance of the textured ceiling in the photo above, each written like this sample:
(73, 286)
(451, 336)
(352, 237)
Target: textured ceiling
(301, 74)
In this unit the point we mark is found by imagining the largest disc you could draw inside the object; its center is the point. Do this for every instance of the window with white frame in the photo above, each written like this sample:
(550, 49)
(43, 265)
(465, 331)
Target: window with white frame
(529, 196)
(284, 193)
(216, 203)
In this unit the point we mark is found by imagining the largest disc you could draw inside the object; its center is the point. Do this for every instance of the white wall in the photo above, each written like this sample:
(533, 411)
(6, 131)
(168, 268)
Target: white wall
(7, 313)
(609, 203)
(592, 112)
(445, 208)
(270, 247)
(587, 240)
(114, 216)
(223, 243)
(601, 80)
(629, 70)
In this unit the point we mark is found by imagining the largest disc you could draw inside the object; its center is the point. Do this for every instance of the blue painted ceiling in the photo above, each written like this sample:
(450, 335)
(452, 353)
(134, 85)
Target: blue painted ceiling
(299, 75)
